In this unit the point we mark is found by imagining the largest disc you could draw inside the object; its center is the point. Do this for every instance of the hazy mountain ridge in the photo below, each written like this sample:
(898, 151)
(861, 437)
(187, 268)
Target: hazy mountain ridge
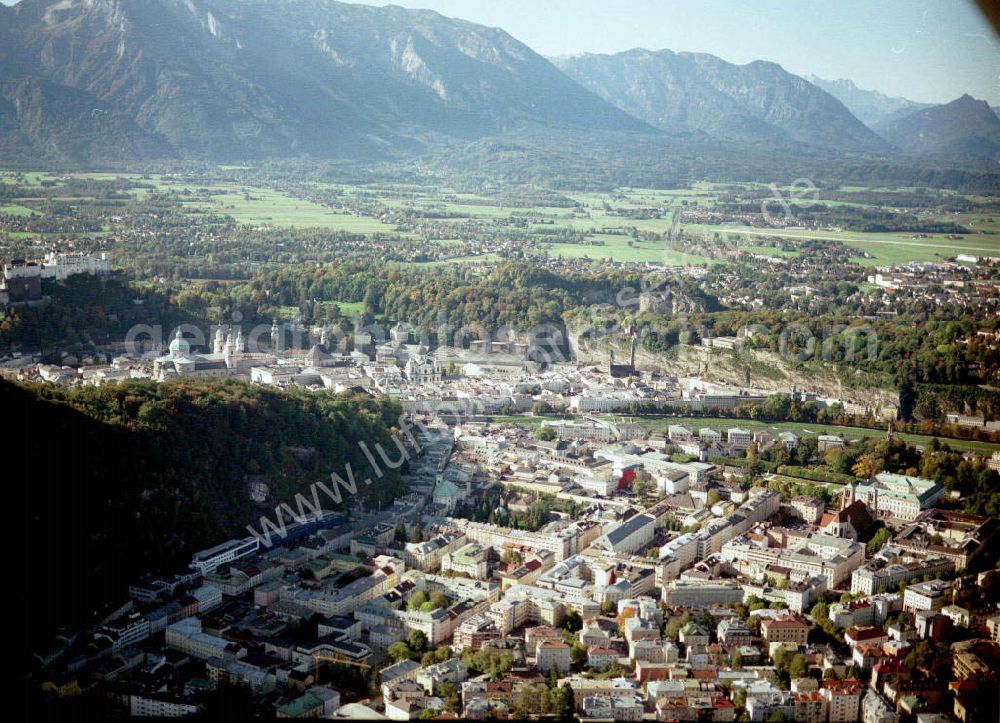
(965, 126)
(92, 81)
(220, 79)
(868, 106)
(695, 91)
(41, 116)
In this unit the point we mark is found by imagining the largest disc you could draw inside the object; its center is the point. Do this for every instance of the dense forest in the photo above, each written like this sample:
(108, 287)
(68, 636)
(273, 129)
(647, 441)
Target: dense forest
(514, 293)
(138, 476)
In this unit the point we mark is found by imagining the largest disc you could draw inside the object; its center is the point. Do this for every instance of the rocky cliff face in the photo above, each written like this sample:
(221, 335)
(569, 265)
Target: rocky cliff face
(259, 78)
(700, 92)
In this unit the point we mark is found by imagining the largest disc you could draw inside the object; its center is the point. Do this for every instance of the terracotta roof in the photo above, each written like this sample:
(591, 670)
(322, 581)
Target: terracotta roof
(865, 633)
(848, 685)
(782, 623)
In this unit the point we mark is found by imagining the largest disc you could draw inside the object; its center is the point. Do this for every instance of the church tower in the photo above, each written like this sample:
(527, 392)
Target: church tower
(850, 491)
(275, 336)
(229, 353)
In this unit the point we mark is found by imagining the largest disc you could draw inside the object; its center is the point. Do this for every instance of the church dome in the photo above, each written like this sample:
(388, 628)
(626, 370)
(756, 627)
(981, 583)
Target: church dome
(179, 345)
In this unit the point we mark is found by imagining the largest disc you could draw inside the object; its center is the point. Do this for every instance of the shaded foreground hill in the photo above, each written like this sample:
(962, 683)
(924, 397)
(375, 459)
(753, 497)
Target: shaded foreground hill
(110, 482)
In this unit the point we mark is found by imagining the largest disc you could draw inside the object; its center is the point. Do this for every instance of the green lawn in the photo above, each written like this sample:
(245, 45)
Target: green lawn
(259, 207)
(350, 308)
(771, 251)
(15, 209)
(347, 308)
(806, 429)
(265, 207)
(32, 178)
(695, 423)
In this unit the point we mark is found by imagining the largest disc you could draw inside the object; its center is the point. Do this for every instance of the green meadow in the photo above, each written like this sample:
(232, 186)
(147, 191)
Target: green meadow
(613, 225)
(884, 249)
(660, 424)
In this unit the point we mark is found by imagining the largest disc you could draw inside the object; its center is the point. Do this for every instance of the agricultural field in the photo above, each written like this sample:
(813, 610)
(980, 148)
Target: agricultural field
(15, 209)
(264, 207)
(627, 225)
(882, 249)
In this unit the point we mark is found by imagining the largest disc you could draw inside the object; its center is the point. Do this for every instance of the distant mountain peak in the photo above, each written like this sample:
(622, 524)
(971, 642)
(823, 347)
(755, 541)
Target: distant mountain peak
(871, 107)
(758, 101)
(965, 126)
(968, 101)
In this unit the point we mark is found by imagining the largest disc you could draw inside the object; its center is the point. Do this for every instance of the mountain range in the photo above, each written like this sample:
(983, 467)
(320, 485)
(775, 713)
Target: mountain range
(91, 81)
(220, 79)
(869, 106)
(695, 91)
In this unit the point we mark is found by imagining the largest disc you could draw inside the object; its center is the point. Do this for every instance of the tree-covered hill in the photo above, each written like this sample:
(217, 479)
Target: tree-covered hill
(109, 482)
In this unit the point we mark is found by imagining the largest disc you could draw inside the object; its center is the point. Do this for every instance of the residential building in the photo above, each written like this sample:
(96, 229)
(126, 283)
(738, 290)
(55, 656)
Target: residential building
(733, 632)
(876, 709)
(432, 677)
(784, 630)
(228, 551)
(809, 509)
(950, 535)
(931, 595)
(160, 705)
(630, 536)
(738, 438)
(475, 631)
(843, 699)
(692, 634)
(892, 566)
(186, 635)
(809, 706)
(613, 707)
(701, 593)
(552, 653)
(471, 560)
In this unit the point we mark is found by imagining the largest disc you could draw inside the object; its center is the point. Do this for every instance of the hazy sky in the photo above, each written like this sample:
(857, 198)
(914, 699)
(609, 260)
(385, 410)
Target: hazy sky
(929, 50)
(926, 50)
